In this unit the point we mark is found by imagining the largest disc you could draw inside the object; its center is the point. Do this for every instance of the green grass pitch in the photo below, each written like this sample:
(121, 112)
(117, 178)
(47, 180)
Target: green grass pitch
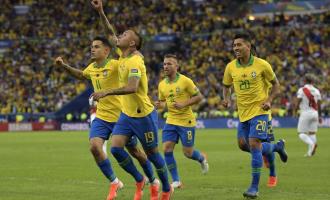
(58, 166)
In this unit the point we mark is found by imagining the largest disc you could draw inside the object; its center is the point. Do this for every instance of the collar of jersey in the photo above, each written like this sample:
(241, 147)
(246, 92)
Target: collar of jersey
(175, 80)
(251, 59)
(102, 65)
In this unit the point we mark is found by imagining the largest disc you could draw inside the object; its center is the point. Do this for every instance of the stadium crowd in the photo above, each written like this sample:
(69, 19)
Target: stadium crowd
(30, 83)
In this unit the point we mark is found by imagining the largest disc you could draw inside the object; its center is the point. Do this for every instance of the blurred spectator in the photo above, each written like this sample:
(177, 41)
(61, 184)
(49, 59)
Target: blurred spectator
(29, 83)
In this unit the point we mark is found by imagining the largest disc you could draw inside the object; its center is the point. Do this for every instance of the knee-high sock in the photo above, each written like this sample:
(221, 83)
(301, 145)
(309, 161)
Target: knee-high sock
(161, 168)
(147, 168)
(256, 164)
(196, 155)
(268, 152)
(125, 161)
(106, 168)
(171, 165)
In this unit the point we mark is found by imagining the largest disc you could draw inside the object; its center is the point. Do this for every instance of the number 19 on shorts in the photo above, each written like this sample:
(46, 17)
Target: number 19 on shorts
(149, 136)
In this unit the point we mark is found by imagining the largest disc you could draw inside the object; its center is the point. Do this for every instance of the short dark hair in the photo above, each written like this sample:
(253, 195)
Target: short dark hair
(309, 78)
(140, 40)
(169, 55)
(244, 36)
(104, 40)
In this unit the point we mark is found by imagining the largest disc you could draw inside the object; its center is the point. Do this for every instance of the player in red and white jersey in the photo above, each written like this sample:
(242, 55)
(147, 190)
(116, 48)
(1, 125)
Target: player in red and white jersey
(310, 113)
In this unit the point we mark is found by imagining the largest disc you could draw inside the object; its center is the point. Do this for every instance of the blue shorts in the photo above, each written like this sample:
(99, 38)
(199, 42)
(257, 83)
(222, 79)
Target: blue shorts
(257, 127)
(270, 132)
(174, 132)
(144, 128)
(103, 129)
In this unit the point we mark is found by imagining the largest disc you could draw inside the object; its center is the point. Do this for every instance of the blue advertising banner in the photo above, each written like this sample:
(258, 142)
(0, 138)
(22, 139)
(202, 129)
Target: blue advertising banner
(283, 122)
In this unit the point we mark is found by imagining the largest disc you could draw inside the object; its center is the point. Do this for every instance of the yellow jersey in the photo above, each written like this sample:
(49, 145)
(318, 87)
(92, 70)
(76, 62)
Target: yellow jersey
(250, 85)
(181, 89)
(137, 104)
(103, 78)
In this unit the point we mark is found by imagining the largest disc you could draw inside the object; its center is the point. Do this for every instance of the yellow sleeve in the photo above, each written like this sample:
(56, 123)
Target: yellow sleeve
(268, 72)
(191, 88)
(227, 79)
(118, 52)
(135, 67)
(114, 63)
(86, 72)
(161, 96)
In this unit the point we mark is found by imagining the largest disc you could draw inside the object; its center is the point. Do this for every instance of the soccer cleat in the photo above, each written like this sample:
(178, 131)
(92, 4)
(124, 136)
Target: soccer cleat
(139, 189)
(114, 187)
(154, 189)
(314, 149)
(167, 195)
(204, 164)
(266, 163)
(281, 151)
(251, 193)
(177, 184)
(272, 181)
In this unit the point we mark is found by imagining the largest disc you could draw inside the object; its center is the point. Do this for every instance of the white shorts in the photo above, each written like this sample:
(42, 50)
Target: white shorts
(308, 122)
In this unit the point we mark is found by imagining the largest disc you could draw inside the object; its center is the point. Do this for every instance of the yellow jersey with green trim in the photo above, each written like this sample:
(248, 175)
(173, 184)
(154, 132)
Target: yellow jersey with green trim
(181, 89)
(103, 78)
(250, 85)
(136, 104)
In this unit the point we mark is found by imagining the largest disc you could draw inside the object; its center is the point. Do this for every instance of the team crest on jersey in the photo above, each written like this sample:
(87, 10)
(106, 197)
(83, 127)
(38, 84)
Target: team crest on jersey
(177, 90)
(134, 71)
(196, 89)
(105, 73)
(254, 74)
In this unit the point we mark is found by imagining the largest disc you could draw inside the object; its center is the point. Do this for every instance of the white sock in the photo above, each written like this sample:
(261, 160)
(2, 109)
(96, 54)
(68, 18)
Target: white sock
(305, 138)
(313, 138)
(115, 181)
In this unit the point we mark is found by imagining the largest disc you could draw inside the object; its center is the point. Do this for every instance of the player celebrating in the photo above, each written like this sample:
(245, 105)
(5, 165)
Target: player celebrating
(310, 113)
(104, 75)
(138, 117)
(179, 93)
(249, 76)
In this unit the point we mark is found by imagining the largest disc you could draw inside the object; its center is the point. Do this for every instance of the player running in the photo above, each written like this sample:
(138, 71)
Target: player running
(179, 93)
(103, 73)
(308, 100)
(138, 117)
(249, 76)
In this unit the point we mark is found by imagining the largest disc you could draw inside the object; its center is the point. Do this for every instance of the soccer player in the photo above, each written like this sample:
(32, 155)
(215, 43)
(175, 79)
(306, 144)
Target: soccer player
(138, 117)
(249, 76)
(103, 73)
(179, 93)
(308, 100)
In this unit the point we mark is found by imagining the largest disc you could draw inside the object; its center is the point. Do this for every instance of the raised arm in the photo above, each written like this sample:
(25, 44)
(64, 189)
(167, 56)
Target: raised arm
(109, 28)
(73, 71)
